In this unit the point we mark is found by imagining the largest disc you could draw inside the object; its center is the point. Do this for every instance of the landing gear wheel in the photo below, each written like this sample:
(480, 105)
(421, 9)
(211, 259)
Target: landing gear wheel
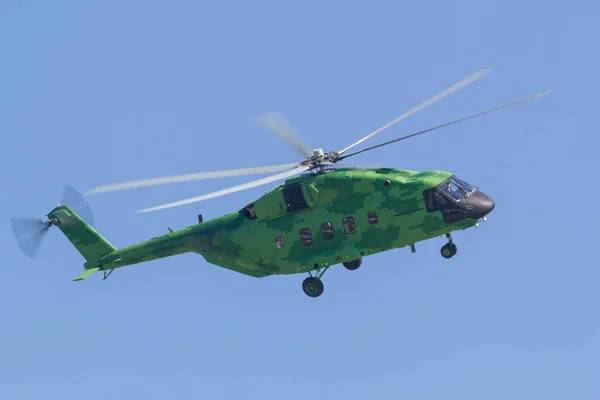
(448, 250)
(312, 286)
(352, 265)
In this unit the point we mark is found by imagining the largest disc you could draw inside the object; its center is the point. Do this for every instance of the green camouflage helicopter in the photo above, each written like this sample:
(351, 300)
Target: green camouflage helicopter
(320, 216)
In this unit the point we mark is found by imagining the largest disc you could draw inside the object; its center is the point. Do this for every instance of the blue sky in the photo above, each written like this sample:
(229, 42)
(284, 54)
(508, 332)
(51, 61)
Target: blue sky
(101, 92)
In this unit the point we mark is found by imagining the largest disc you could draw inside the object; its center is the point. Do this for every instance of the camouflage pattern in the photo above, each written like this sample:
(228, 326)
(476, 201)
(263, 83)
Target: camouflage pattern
(387, 206)
(90, 244)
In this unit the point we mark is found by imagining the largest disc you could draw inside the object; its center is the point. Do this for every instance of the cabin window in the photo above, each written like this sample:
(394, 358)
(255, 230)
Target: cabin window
(349, 226)
(279, 242)
(435, 200)
(306, 236)
(372, 217)
(294, 198)
(327, 231)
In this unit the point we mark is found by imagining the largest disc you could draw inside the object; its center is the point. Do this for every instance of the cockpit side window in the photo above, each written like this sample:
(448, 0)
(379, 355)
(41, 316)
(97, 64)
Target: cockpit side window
(464, 185)
(450, 191)
(454, 189)
(435, 200)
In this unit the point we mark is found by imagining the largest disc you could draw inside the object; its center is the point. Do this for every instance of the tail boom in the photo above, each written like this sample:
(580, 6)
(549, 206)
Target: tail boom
(100, 254)
(167, 245)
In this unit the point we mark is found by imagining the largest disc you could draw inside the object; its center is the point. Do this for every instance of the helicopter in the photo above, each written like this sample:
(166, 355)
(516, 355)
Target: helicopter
(321, 215)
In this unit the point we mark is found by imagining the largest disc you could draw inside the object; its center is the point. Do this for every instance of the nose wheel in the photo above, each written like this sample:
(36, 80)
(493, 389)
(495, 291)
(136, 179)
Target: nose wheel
(449, 249)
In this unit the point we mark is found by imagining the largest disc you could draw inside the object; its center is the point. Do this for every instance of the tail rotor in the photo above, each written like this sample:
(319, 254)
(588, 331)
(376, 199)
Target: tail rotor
(30, 232)
(76, 202)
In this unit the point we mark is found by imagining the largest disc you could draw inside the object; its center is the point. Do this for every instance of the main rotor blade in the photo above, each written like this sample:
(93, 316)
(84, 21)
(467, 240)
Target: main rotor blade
(284, 129)
(536, 96)
(457, 86)
(233, 189)
(191, 177)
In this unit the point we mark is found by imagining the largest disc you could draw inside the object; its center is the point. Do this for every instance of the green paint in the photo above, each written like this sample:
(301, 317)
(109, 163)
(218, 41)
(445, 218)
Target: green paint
(387, 207)
(314, 220)
(85, 274)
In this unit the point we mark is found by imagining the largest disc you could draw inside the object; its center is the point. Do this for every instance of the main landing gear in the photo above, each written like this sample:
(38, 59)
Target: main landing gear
(449, 249)
(313, 286)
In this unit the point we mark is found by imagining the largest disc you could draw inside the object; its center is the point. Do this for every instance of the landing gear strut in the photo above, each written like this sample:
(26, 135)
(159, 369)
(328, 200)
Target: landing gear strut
(313, 286)
(449, 249)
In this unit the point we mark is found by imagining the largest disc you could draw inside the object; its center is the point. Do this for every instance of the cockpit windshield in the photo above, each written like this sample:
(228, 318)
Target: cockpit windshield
(456, 188)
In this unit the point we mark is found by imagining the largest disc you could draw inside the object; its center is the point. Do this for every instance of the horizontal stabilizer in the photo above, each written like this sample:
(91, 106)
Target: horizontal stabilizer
(85, 274)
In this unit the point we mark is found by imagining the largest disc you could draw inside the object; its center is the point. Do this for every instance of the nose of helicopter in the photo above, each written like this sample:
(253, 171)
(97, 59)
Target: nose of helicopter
(480, 205)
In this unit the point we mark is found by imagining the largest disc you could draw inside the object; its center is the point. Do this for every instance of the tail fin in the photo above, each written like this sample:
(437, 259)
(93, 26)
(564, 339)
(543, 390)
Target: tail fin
(90, 244)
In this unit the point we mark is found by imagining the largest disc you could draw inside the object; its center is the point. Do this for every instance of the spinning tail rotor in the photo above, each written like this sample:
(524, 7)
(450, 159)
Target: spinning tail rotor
(77, 203)
(30, 232)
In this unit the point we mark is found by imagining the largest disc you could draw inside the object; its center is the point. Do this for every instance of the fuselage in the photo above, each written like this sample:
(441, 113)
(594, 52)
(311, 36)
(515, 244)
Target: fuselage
(323, 219)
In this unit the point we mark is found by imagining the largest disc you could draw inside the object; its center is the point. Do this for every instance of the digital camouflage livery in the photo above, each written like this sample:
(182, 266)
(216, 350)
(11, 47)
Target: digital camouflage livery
(321, 215)
(309, 223)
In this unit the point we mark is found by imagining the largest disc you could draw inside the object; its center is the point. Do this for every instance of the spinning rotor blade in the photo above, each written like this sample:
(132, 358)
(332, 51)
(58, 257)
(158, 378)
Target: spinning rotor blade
(457, 86)
(76, 202)
(536, 96)
(282, 127)
(190, 177)
(232, 189)
(29, 233)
